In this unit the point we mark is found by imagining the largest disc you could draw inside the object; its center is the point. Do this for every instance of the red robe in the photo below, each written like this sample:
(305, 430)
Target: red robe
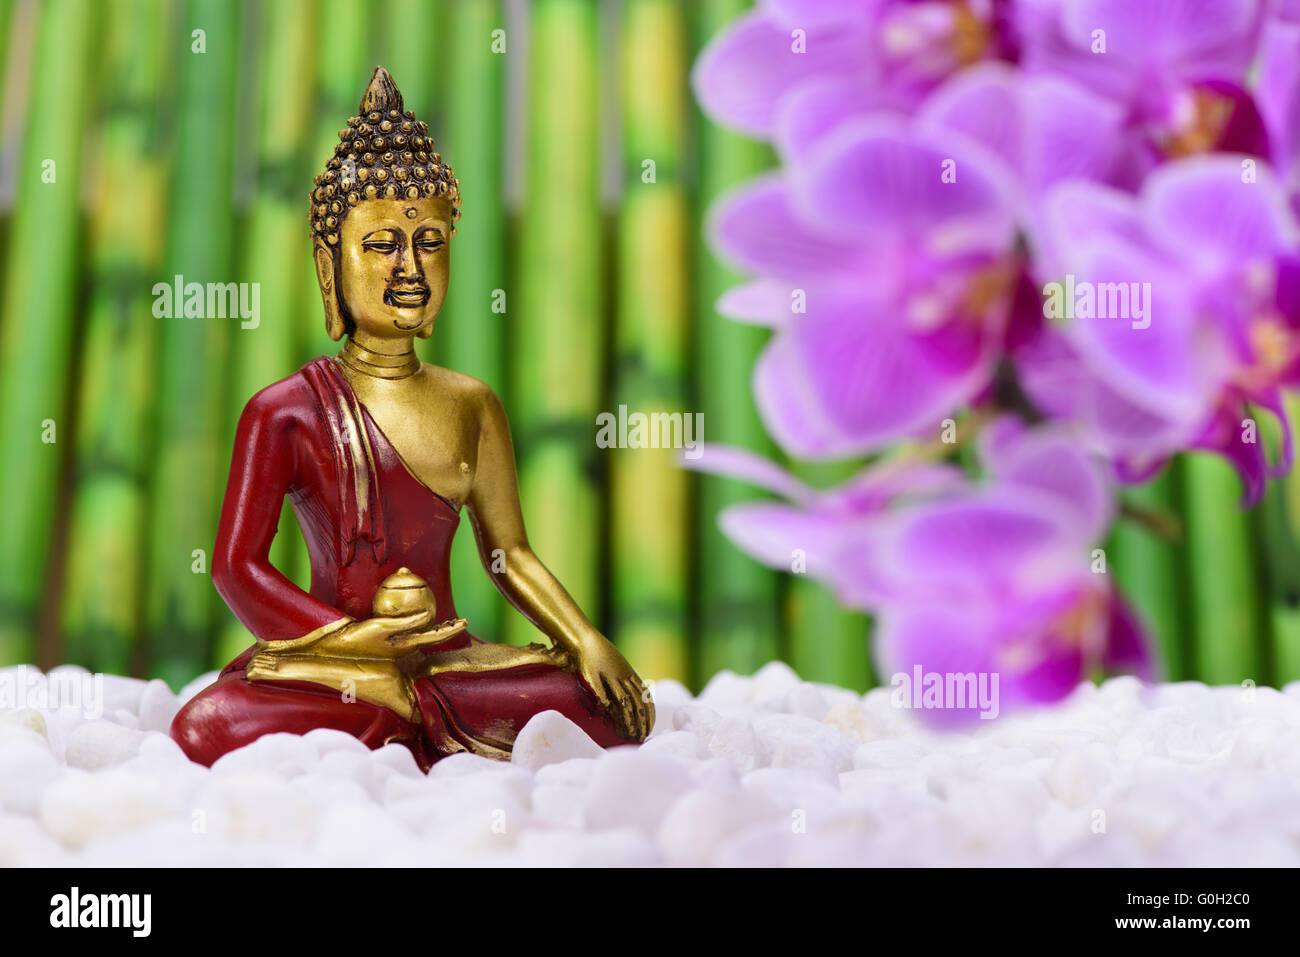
(363, 515)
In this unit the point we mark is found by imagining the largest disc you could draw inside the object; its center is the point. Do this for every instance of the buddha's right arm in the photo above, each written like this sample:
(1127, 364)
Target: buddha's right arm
(262, 471)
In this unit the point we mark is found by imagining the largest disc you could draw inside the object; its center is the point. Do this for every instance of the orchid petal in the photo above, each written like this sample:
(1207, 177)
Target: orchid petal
(875, 172)
(1127, 647)
(757, 230)
(777, 535)
(846, 378)
(762, 302)
(1204, 210)
(1164, 31)
(742, 74)
(811, 14)
(746, 466)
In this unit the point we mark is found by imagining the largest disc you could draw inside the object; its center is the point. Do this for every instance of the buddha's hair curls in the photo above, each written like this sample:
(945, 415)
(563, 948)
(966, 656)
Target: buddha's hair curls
(384, 153)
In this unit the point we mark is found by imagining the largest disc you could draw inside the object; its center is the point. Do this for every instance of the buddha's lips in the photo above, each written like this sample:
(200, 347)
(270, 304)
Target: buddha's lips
(406, 297)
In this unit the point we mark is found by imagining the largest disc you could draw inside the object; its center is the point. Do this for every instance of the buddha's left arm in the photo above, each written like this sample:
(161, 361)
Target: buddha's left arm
(525, 582)
(498, 523)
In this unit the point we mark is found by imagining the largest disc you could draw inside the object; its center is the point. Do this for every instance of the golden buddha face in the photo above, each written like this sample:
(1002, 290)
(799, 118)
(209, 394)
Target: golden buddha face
(392, 265)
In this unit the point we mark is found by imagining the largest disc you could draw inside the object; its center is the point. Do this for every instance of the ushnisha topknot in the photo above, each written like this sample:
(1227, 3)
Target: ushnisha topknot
(384, 153)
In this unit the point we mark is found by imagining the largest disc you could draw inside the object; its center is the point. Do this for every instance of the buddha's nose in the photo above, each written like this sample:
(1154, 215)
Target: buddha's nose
(409, 266)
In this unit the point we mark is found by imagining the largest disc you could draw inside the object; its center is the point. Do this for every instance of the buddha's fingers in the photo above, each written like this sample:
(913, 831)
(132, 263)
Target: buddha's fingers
(641, 707)
(262, 666)
(644, 706)
(425, 639)
(626, 715)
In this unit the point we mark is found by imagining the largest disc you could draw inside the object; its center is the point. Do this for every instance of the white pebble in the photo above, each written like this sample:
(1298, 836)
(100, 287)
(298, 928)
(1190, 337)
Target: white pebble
(632, 790)
(82, 806)
(759, 771)
(549, 738)
(700, 822)
(157, 707)
(100, 744)
(733, 739)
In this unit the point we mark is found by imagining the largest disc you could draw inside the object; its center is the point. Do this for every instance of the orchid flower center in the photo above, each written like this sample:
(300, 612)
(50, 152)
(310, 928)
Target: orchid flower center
(936, 38)
(977, 297)
(1274, 347)
(1273, 343)
(1199, 120)
(1082, 625)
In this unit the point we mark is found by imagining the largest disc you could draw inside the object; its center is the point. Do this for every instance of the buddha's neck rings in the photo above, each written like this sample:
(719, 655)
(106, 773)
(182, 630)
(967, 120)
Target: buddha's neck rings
(367, 362)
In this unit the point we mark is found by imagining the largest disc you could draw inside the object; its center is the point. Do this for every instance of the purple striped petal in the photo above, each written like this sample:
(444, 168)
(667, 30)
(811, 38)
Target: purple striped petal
(1203, 211)
(743, 73)
(985, 547)
(1127, 648)
(745, 466)
(845, 378)
(756, 229)
(877, 181)
(1278, 94)
(810, 14)
(763, 302)
(1044, 128)
(1174, 364)
(1165, 31)
(808, 114)
(785, 537)
(1076, 212)
(1050, 461)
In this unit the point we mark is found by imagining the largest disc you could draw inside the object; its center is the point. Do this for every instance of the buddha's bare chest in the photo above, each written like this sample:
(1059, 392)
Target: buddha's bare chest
(433, 431)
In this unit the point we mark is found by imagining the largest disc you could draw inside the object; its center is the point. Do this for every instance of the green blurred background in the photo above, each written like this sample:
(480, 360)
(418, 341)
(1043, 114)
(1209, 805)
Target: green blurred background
(142, 139)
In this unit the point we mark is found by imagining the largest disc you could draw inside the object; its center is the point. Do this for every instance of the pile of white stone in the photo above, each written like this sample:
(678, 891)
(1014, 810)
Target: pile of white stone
(764, 770)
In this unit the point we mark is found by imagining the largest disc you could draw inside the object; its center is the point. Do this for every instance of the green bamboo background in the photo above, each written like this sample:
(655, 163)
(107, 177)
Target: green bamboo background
(580, 282)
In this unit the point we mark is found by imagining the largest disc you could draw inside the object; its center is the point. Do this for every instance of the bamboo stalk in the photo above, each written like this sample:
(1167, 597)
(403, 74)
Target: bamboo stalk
(1280, 521)
(16, 27)
(39, 315)
(470, 333)
(6, 20)
(190, 472)
(1224, 574)
(736, 604)
(1148, 572)
(826, 642)
(276, 242)
(558, 336)
(101, 605)
(417, 56)
(648, 488)
(343, 67)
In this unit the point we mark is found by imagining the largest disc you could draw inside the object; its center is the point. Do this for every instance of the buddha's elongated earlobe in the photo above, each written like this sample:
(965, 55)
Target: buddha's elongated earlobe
(329, 296)
(426, 332)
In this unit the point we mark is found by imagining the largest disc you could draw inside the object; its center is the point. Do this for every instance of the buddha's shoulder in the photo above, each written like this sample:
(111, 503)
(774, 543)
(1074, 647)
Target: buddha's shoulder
(286, 402)
(458, 385)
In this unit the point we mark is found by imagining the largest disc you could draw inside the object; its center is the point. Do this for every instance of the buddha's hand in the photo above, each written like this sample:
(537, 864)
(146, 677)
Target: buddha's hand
(386, 636)
(618, 688)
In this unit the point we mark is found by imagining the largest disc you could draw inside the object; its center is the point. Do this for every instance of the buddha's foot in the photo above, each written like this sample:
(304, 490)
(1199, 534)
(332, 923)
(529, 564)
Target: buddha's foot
(376, 681)
(489, 657)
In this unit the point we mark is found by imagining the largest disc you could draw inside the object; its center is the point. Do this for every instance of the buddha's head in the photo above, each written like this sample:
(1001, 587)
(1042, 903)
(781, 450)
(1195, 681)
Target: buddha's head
(382, 217)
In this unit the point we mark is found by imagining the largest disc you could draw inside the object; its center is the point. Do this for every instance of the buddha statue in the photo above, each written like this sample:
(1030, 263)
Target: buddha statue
(378, 453)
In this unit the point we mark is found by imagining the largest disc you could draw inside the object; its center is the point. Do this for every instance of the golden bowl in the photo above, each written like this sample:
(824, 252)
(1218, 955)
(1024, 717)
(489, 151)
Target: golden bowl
(403, 593)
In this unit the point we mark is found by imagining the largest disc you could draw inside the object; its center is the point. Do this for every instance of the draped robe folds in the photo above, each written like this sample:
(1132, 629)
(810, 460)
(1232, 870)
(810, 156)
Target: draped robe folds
(363, 515)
